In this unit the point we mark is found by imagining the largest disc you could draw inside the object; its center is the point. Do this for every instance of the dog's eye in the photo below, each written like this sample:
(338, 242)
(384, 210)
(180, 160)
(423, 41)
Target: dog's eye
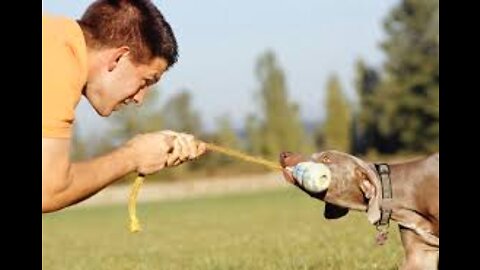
(326, 159)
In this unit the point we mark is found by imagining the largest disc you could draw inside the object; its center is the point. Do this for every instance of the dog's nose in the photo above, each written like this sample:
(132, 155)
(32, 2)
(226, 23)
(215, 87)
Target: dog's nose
(285, 155)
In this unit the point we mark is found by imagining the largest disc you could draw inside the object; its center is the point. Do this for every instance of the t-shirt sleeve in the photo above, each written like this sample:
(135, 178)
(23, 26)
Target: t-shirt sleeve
(60, 87)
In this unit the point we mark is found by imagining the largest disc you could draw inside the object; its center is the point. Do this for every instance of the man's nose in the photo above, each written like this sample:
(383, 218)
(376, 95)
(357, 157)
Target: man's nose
(139, 97)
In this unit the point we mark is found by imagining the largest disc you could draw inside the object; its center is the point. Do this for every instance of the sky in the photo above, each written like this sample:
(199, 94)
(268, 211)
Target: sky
(220, 41)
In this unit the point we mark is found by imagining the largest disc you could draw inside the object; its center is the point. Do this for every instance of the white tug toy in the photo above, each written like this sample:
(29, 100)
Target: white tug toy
(314, 177)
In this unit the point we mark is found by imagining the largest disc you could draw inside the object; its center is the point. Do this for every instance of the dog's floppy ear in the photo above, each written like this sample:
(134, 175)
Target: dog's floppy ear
(333, 211)
(370, 185)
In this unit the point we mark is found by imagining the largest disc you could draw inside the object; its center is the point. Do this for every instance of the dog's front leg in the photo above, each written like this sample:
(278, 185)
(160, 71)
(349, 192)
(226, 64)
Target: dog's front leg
(418, 255)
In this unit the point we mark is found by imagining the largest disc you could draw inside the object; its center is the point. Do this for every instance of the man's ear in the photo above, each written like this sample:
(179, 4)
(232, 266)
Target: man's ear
(333, 211)
(370, 185)
(115, 55)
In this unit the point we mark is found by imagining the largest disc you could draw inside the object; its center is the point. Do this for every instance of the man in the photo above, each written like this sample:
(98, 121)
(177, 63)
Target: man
(112, 55)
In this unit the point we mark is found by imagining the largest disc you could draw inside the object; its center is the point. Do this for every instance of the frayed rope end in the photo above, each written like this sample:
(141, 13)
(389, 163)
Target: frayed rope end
(134, 222)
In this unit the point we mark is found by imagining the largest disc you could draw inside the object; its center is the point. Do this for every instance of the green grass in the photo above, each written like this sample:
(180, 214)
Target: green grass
(265, 230)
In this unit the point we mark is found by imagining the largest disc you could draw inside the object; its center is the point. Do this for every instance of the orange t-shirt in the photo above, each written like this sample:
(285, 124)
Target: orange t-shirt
(64, 73)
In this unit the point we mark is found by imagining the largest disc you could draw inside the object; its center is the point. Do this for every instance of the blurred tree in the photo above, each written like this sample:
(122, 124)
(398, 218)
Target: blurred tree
(225, 132)
(364, 124)
(208, 163)
(226, 137)
(281, 128)
(253, 135)
(319, 137)
(179, 115)
(90, 146)
(78, 149)
(408, 98)
(132, 120)
(338, 117)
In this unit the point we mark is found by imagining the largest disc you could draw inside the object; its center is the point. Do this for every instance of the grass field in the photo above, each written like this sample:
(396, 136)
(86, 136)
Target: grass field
(281, 229)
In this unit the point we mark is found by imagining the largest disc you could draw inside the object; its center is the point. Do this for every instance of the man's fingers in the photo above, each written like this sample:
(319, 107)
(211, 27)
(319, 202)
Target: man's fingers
(174, 155)
(177, 162)
(201, 148)
(184, 148)
(189, 146)
(170, 142)
(192, 146)
(169, 132)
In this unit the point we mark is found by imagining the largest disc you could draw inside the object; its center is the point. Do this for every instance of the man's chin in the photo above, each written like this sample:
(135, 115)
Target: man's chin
(105, 113)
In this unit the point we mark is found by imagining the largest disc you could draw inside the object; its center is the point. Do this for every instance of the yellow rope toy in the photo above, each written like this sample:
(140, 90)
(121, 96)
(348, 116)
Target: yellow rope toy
(132, 211)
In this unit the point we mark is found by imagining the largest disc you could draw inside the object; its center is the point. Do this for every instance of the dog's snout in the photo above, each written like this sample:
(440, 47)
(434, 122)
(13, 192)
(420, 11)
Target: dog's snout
(288, 159)
(285, 154)
(283, 158)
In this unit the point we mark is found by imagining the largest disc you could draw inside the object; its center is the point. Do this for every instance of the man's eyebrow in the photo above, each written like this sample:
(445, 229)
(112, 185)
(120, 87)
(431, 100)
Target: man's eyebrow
(152, 79)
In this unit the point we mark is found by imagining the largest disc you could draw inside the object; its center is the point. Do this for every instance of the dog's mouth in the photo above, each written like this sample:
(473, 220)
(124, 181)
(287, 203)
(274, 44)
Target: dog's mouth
(287, 174)
(287, 161)
(310, 176)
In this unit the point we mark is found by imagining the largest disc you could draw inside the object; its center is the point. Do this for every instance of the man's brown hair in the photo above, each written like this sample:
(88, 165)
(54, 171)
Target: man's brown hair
(137, 24)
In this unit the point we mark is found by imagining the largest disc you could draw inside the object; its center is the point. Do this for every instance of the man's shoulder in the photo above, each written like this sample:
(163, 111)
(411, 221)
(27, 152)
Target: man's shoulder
(64, 72)
(63, 47)
(59, 25)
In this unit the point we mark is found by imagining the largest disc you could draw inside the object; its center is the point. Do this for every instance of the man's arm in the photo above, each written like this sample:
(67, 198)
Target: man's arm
(65, 183)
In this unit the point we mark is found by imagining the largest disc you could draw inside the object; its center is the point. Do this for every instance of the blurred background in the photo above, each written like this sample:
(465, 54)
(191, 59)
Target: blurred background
(303, 76)
(263, 77)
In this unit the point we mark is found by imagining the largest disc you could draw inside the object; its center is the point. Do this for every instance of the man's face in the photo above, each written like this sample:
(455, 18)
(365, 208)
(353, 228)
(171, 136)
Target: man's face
(116, 81)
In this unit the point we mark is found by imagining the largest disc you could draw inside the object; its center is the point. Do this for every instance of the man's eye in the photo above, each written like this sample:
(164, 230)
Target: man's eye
(148, 82)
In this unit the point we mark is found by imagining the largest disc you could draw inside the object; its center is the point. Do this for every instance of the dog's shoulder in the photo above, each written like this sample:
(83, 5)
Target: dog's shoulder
(431, 164)
(434, 157)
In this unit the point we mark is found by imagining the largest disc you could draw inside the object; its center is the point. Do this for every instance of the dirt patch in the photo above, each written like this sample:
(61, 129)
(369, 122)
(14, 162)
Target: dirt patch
(187, 189)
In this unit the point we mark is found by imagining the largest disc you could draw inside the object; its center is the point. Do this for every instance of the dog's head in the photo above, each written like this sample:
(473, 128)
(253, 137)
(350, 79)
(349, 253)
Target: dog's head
(353, 184)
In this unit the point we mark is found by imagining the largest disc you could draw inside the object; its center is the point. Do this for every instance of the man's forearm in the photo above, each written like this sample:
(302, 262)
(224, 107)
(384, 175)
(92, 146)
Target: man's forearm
(86, 178)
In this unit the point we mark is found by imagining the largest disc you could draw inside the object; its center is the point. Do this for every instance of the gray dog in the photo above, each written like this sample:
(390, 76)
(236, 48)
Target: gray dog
(405, 192)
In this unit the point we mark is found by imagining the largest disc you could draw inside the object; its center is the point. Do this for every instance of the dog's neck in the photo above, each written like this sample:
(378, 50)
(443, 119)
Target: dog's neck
(397, 189)
(404, 211)
(399, 194)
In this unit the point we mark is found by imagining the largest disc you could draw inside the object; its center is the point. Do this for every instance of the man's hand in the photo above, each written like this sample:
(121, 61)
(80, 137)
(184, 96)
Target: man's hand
(157, 150)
